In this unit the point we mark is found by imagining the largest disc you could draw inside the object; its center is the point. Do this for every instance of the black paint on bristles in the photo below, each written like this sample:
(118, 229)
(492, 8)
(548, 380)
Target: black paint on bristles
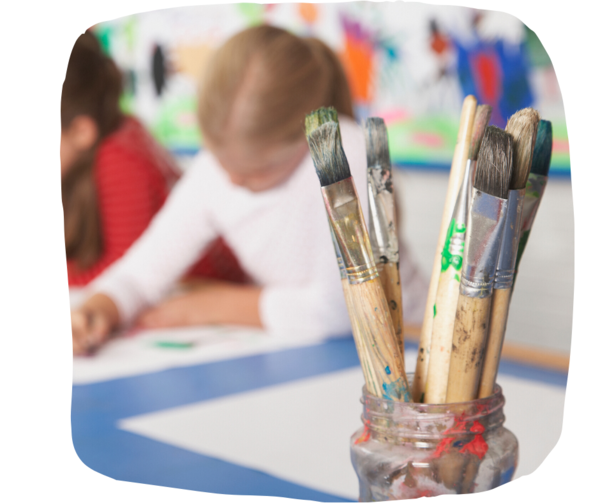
(542, 153)
(319, 117)
(494, 163)
(328, 155)
(378, 150)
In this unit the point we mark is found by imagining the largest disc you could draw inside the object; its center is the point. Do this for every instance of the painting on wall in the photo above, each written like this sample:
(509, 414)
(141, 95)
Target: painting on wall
(409, 63)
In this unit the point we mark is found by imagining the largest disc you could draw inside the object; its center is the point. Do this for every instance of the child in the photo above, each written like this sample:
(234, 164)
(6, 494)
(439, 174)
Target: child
(114, 176)
(255, 184)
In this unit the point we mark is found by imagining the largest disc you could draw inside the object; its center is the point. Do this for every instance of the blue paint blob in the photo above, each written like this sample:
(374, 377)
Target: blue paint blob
(387, 370)
(395, 391)
(507, 475)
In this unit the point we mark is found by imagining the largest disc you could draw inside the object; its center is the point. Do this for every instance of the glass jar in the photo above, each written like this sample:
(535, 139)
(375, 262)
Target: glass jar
(408, 450)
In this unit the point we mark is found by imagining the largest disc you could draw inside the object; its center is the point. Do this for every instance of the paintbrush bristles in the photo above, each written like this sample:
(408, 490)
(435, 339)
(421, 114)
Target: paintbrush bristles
(378, 151)
(482, 117)
(542, 153)
(522, 126)
(328, 156)
(494, 165)
(319, 117)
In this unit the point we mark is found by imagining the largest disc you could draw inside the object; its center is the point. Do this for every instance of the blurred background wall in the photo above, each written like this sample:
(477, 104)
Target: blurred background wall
(409, 63)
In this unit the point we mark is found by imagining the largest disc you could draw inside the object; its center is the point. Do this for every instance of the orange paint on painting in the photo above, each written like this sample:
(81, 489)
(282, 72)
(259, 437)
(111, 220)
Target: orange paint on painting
(308, 12)
(358, 61)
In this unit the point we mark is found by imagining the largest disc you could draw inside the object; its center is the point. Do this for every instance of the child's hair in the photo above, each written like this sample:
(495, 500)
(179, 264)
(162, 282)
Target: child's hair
(264, 80)
(92, 87)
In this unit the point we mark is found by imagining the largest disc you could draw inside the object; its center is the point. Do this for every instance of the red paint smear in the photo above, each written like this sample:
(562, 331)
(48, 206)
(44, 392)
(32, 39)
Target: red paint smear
(366, 435)
(428, 139)
(439, 44)
(486, 68)
(443, 447)
(477, 446)
(477, 427)
(393, 116)
(560, 146)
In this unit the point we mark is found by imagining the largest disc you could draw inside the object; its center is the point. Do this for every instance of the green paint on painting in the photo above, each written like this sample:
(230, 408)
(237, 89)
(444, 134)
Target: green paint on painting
(434, 310)
(173, 345)
(447, 258)
(176, 126)
(254, 13)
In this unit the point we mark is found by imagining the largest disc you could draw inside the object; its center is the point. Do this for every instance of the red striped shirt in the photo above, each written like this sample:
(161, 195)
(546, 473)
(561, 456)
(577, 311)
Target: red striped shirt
(133, 175)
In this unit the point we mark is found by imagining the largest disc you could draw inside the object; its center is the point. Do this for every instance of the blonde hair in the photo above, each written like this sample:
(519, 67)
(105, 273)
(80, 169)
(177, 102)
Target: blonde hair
(263, 81)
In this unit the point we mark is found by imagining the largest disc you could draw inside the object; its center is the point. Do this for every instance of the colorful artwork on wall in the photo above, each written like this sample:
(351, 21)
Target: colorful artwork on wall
(410, 63)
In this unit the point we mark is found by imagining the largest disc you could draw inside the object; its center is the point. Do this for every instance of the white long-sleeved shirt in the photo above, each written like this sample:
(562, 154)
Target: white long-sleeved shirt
(280, 236)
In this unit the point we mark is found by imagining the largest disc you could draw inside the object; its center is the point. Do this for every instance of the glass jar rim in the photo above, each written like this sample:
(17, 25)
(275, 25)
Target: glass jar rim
(470, 411)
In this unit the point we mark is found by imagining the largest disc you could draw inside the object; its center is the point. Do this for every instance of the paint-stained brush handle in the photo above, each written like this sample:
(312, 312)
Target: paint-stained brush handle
(493, 352)
(468, 348)
(389, 275)
(459, 161)
(441, 340)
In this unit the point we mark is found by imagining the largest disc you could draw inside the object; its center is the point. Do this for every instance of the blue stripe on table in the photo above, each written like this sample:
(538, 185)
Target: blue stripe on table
(97, 408)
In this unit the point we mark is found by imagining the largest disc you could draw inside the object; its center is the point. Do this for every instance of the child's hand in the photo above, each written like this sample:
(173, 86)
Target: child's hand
(92, 323)
(208, 303)
(184, 310)
(90, 329)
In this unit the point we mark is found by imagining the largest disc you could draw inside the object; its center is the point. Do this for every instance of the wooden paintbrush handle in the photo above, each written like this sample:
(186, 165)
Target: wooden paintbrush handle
(457, 170)
(441, 339)
(471, 328)
(390, 281)
(372, 314)
(365, 362)
(499, 316)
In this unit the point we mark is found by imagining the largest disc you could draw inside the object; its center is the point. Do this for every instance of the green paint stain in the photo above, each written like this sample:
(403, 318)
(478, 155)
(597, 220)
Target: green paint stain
(173, 345)
(447, 258)
(434, 310)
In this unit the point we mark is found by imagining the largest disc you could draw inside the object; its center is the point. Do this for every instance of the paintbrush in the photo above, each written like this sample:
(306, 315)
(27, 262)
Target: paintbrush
(369, 305)
(536, 184)
(457, 170)
(449, 282)
(482, 246)
(382, 220)
(312, 122)
(522, 127)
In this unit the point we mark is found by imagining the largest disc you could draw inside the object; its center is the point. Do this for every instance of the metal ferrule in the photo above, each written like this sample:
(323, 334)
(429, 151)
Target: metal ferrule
(484, 237)
(505, 270)
(338, 253)
(382, 217)
(350, 231)
(536, 184)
